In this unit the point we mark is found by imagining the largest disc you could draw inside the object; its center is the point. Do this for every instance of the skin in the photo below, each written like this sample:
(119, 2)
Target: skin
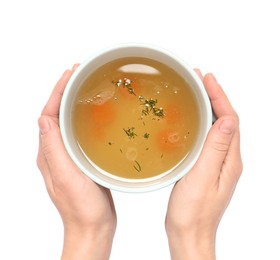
(199, 199)
(87, 209)
(197, 202)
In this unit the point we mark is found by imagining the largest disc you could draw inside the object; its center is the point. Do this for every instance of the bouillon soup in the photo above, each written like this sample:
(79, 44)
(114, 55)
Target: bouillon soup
(135, 118)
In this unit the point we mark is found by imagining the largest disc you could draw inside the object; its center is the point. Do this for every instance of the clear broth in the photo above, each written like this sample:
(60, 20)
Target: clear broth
(135, 118)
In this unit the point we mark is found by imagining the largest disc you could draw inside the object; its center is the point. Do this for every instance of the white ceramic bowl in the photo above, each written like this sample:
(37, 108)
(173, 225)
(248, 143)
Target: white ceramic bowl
(133, 50)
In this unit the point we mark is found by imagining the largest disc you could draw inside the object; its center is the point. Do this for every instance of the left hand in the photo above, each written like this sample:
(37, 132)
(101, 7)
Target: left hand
(199, 199)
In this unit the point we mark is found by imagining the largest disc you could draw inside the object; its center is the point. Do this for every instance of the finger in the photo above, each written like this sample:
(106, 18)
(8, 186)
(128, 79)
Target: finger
(53, 149)
(41, 161)
(233, 165)
(216, 147)
(218, 98)
(43, 167)
(53, 104)
(198, 72)
(75, 66)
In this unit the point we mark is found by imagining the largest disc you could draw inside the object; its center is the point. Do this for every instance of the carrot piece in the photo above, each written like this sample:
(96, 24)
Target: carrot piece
(103, 114)
(172, 113)
(168, 139)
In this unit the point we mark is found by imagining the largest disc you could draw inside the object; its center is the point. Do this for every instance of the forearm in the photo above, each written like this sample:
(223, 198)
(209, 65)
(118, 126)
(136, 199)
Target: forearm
(191, 246)
(87, 245)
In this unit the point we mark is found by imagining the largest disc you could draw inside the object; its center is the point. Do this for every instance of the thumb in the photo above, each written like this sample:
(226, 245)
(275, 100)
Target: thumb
(217, 144)
(52, 145)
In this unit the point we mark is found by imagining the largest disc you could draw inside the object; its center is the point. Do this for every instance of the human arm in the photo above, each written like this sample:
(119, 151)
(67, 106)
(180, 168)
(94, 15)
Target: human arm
(199, 199)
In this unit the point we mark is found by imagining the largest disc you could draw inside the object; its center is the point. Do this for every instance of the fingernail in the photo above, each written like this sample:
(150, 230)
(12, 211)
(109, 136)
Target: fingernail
(227, 126)
(44, 125)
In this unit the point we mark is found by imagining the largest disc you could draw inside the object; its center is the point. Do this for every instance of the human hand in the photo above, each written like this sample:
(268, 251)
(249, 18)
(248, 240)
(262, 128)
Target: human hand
(199, 199)
(87, 209)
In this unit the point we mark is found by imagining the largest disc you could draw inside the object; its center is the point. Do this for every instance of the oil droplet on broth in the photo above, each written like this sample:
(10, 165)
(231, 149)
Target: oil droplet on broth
(173, 137)
(131, 153)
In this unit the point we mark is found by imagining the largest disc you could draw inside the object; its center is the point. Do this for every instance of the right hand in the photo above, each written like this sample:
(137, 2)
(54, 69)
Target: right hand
(87, 209)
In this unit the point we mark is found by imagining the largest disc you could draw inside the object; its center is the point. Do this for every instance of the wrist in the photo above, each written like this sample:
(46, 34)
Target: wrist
(191, 245)
(87, 244)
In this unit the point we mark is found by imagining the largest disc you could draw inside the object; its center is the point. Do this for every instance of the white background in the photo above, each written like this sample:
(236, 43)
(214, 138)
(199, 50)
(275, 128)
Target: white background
(236, 40)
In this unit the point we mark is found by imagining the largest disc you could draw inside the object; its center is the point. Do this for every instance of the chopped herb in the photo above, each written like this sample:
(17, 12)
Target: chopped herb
(150, 107)
(146, 135)
(130, 132)
(137, 167)
(117, 83)
(110, 143)
(125, 83)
